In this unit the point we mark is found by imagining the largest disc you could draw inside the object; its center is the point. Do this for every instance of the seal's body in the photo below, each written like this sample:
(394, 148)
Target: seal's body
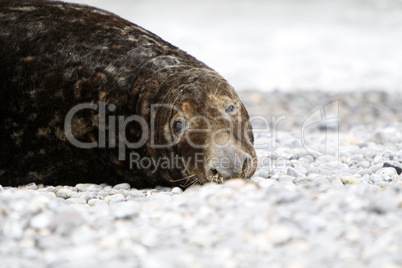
(89, 97)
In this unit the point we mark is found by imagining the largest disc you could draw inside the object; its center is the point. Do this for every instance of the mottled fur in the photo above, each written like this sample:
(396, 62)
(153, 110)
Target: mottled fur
(56, 55)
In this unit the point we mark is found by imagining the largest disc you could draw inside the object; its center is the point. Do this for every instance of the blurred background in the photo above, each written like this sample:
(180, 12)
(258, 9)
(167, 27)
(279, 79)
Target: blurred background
(328, 45)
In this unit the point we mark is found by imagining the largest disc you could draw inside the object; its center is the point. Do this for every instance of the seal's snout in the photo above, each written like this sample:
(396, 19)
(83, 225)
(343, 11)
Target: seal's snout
(228, 163)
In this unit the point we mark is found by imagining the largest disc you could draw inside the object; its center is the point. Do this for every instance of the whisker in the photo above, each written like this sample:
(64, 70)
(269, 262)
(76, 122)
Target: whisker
(191, 183)
(185, 178)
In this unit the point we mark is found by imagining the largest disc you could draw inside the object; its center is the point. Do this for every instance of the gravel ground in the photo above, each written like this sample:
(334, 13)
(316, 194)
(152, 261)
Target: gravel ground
(327, 193)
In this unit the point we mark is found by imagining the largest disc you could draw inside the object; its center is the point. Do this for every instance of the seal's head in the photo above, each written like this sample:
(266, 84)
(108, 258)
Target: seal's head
(200, 120)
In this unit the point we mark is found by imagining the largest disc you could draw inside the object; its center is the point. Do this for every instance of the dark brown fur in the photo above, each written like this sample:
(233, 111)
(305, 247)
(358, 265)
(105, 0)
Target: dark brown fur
(56, 55)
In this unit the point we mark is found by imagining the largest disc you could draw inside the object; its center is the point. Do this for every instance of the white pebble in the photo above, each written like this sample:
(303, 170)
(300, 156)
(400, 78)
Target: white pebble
(350, 180)
(76, 201)
(125, 209)
(122, 186)
(41, 220)
(278, 234)
(97, 202)
(63, 193)
(387, 172)
(177, 190)
(113, 199)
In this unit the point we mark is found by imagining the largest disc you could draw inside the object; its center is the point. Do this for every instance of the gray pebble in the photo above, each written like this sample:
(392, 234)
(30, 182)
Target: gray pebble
(378, 160)
(263, 173)
(311, 180)
(357, 158)
(376, 167)
(369, 154)
(321, 171)
(66, 220)
(364, 171)
(285, 178)
(122, 186)
(293, 172)
(136, 193)
(375, 178)
(326, 159)
(113, 199)
(364, 164)
(93, 188)
(88, 187)
(307, 159)
(163, 189)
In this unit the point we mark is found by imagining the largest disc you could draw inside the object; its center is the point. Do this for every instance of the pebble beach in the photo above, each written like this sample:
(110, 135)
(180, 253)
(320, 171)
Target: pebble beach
(327, 193)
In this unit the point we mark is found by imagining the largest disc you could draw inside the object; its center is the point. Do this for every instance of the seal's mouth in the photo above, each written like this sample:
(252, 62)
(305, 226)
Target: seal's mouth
(215, 176)
(233, 164)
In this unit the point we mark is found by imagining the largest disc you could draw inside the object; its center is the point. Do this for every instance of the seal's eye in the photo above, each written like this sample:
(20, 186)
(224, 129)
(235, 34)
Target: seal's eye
(178, 126)
(230, 109)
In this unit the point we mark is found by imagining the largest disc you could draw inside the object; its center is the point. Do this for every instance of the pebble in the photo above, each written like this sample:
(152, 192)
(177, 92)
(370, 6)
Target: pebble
(122, 186)
(311, 181)
(76, 201)
(337, 182)
(376, 179)
(364, 164)
(350, 180)
(376, 167)
(278, 234)
(42, 220)
(387, 172)
(47, 189)
(293, 172)
(321, 171)
(30, 186)
(263, 173)
(364, 171)
(265, 183)
(63, 193)
(137, 193)
(113, 199)
(97, 202)
(177, 190)
(125, 209)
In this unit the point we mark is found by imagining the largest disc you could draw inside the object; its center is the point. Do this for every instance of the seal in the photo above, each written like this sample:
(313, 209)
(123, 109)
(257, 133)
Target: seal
(86, 96)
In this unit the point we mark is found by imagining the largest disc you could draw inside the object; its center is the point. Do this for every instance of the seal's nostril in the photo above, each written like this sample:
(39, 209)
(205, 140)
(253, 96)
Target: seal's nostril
(245, 166)
(214, 171)
(232, 163)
